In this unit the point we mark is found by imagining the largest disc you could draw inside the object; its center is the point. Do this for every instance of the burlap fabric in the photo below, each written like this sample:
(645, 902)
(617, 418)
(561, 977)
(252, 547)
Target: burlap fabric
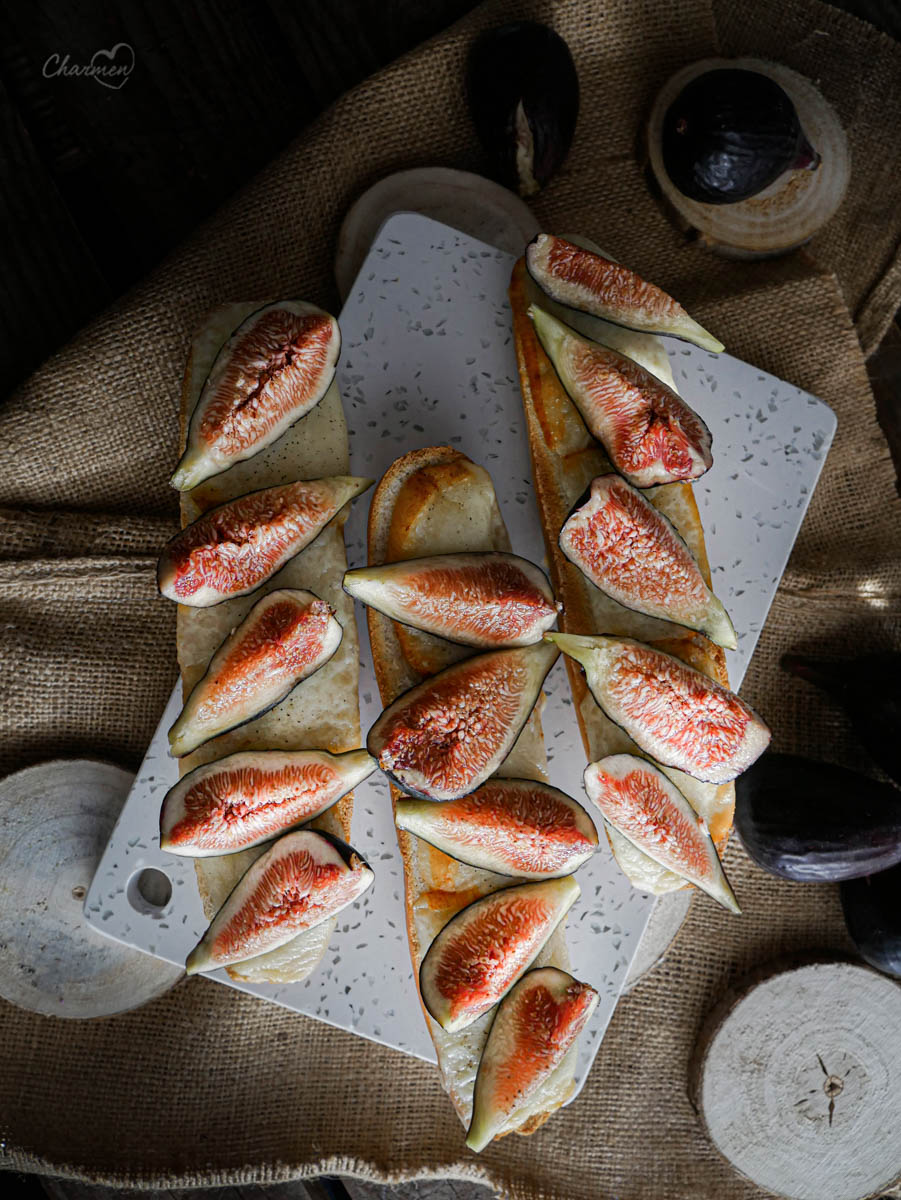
(206, 1086)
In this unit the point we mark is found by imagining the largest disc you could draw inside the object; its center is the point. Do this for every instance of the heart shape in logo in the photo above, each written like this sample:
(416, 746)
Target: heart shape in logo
(122, 70)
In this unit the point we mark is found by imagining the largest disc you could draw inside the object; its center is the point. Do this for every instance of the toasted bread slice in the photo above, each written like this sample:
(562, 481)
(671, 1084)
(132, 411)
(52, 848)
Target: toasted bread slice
(565, 458)
(323, 713)
(436, 501)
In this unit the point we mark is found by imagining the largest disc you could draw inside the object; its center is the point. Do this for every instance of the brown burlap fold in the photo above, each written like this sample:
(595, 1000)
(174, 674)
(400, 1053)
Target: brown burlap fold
(206, 1086)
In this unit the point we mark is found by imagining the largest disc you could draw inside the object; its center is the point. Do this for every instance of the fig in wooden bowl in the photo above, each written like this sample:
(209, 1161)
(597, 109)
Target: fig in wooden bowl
(747, 155)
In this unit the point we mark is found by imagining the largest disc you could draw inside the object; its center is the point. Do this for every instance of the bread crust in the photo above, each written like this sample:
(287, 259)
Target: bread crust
(434, 882)
(565, 458)
(322, 562)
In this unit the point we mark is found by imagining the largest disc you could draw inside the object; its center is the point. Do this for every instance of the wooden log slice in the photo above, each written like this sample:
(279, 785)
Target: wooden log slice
(788, 212)
(55, 822)
(465, 201)
(797, 1081)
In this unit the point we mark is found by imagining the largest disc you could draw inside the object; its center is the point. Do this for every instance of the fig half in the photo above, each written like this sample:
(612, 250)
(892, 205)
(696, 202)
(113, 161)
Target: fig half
(628, 549)
(511, 826)
(523, 94)
(482, 951)
(284, 638)
(248, 798)
(649, 810)
(304, 879)
(233, 548)
(537, 1023)
(275, 368)
(444, 737)
(486, 600)
(650, 434)
(677, 715)
(589, 283)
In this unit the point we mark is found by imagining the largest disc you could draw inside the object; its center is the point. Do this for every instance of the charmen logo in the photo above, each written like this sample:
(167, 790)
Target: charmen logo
(109, 67)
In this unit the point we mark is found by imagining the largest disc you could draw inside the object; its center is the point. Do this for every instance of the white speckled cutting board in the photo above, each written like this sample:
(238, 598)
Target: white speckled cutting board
(428, 358)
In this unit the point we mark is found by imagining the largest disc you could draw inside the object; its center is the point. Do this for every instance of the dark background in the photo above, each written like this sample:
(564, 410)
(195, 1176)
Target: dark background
(97, 185)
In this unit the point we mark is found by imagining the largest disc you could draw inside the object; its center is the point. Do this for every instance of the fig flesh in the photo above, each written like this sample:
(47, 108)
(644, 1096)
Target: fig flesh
(482, 951)
(523, 94)
(872, 908)
(650, 434)
(302, 880)
(445, 736)
(486, 600)
(233, 548)
(815, 822)
(510, 826)
(649, 811)
(623, 545)
(250, 797)
(537, 1023)
(284, 638)
(675, 714)
(275, 368)
(869, 690)
(590, 283)
(729, 134)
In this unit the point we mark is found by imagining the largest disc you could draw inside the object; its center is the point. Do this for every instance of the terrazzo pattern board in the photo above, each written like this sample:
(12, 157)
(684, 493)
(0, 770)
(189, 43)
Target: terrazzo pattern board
(428, 358)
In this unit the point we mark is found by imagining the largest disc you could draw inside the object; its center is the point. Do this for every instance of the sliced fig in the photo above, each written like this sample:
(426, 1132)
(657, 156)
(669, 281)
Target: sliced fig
(628, 549)
(302, 880)
(650, 434)
(676, 714)
(482, 951)
(536, 1024)
(486, 600)
(590, 283)
(284, 638)
(649, 810)
(233, 548)
(444, 737)
(275, 367)
(511, 826)
(248, 798)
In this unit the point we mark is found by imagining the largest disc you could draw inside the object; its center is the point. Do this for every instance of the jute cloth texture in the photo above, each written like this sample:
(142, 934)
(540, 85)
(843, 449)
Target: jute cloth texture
(209, 1087)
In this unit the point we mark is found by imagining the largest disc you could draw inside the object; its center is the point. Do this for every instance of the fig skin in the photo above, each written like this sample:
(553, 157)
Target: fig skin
(648, 432)
(268, 905)
(581, 279)
(649, 555)
(688, 721)
(229, 662)
(816, 823)
(522, 811)
(491, 967)
(420, 739)
(232, 538)
(479, 588)
(872, 908)
(729, 134)
(523, 93)
(869, 690)
(659, 821)
(537, 1023)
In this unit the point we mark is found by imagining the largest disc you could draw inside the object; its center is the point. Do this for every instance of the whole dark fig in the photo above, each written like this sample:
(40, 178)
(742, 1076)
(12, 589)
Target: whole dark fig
(815, 822)
(523, 94)
(872, 909)
(729, 134)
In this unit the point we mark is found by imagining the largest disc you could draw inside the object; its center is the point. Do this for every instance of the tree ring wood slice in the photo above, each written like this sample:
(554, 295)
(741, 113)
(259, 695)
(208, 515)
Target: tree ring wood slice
(465, 201)
(797, 1081)
(667, 918)
(55, 821)
(788, 212)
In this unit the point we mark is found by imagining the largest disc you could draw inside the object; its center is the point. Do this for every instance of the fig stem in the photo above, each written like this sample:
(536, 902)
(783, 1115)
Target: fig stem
(807, 158)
